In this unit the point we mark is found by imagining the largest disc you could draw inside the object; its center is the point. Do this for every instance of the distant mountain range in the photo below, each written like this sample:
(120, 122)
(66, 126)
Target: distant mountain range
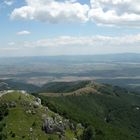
(126, 57)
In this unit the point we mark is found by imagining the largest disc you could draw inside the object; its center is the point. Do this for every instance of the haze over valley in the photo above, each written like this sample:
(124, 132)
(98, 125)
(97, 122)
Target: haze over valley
(117, 69)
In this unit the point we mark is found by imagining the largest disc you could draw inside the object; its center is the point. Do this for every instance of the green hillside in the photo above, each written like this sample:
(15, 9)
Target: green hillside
(16, 85)
(59, 87)
(112, 111)
(22, 117)
(73, 110)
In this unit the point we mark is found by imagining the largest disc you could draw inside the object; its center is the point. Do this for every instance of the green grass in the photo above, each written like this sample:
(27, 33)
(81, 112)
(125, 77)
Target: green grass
(18, 122)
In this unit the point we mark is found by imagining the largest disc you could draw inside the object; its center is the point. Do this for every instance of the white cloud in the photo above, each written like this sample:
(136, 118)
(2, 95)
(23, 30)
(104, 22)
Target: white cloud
(102, 12)
(115, 12)
(52, 11)
(67, 45)
(9, 2)
(23, 33)
(11, 43)
(84, 41)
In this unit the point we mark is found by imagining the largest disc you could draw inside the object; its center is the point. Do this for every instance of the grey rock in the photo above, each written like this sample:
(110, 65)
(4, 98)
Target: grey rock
(53, 125)
(12, 104)
(38, 100)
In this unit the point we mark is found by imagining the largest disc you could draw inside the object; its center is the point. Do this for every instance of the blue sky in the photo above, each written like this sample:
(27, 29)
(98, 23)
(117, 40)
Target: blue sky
(60, 27)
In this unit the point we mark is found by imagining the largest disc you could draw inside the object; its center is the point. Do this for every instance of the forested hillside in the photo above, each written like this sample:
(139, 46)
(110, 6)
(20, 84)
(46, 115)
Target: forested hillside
(112, 111)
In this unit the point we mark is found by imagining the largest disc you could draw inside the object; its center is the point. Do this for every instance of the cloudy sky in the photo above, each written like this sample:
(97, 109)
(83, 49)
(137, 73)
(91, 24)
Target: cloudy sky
(69, 27)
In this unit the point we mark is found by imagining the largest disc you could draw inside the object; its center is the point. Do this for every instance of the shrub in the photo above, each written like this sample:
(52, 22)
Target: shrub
(13, 135)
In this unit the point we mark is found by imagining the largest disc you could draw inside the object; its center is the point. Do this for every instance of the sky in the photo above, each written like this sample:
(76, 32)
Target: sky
(69, 27)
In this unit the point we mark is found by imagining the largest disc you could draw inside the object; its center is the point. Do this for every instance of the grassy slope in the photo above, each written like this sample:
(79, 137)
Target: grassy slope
(19, 122)
(114, 103)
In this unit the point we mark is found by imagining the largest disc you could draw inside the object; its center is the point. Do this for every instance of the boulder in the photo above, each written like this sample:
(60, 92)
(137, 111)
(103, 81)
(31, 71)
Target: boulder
(12, 104)
(36, 104)
(53, 125)
(38, 100)
(48, 125)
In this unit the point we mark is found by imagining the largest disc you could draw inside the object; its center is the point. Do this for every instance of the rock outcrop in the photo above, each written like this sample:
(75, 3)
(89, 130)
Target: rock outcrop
(53, 125)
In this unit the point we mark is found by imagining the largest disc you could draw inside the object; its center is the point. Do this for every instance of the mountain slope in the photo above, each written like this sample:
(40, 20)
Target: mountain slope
(114, 112)
(25, 118)
(60, 87)
(16, 85)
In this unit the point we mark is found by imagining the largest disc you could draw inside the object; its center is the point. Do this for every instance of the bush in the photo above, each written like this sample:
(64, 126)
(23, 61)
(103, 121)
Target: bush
(13, 135)
(2, 125)
(50, 138)
(34, 124)
(3, 111)
(3, 136)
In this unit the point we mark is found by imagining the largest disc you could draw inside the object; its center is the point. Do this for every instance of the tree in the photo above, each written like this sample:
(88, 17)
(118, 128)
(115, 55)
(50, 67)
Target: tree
(89, 133)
